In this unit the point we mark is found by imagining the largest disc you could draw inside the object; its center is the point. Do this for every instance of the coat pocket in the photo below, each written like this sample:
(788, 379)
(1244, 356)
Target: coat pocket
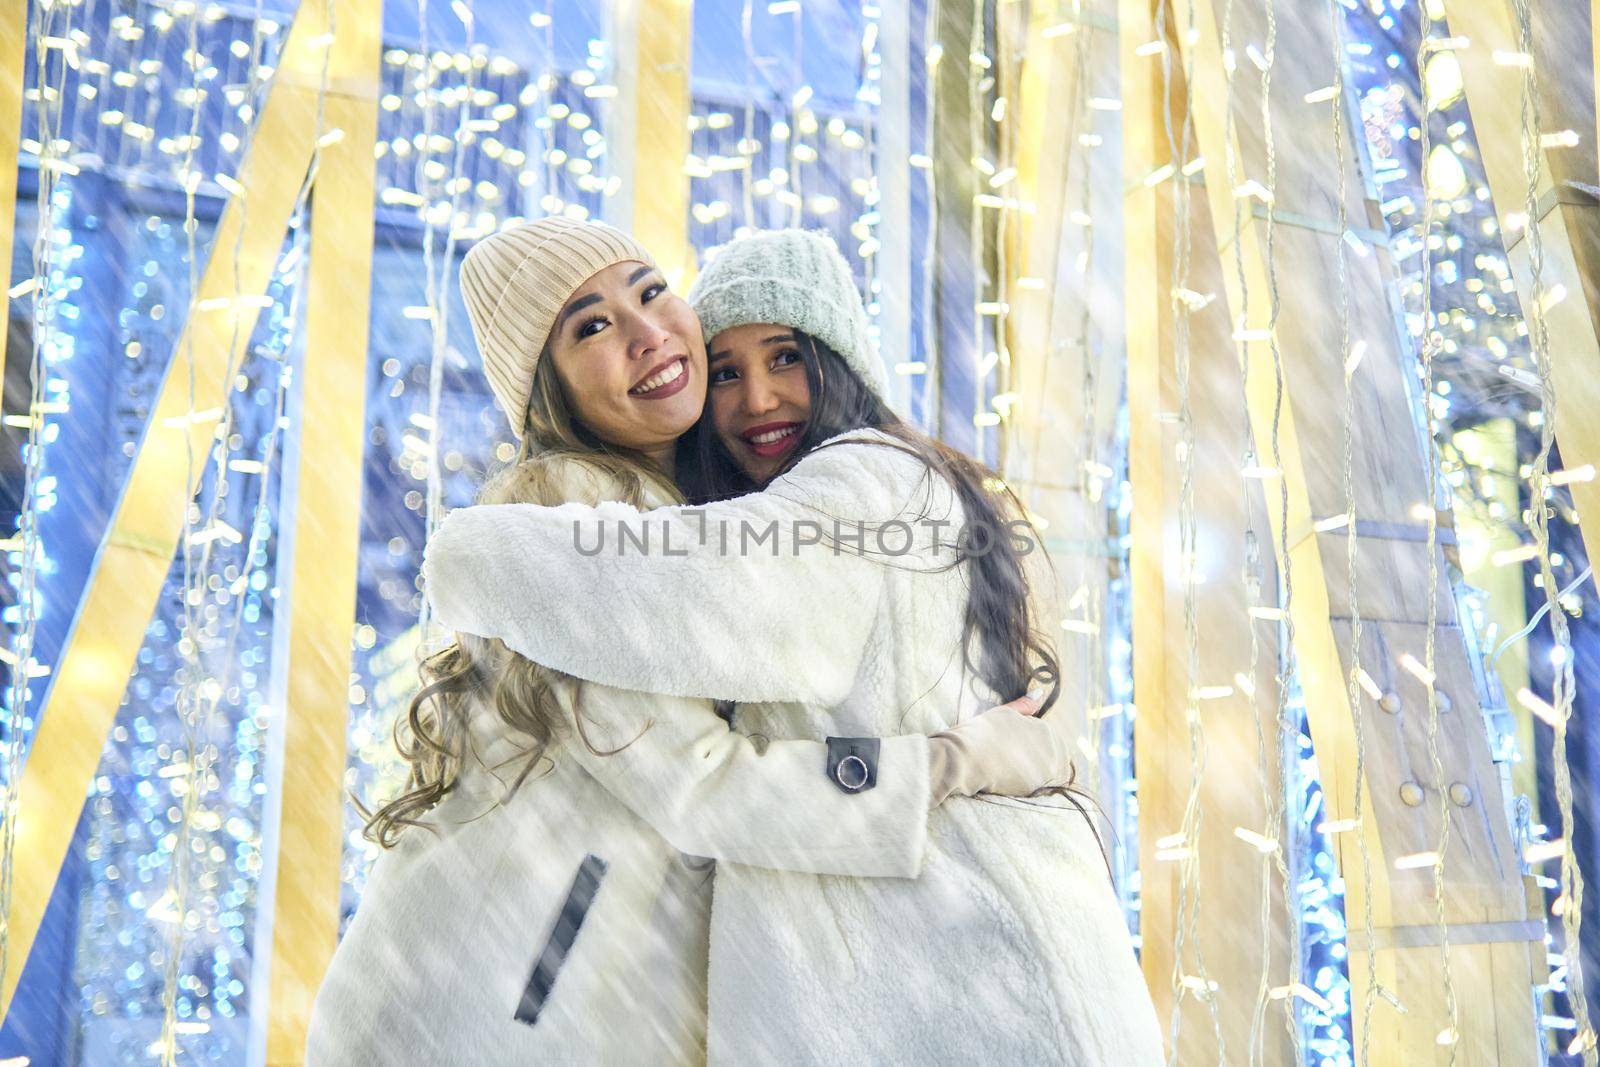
(1057, 807)
(585, 884)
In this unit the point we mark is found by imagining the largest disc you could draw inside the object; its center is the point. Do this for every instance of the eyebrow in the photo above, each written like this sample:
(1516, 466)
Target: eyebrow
(776, 339)
(594, 298)
(577, 306)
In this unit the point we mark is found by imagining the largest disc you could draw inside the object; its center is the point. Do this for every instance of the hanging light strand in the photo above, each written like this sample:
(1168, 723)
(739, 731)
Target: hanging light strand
(1448, 1036)
(1563, 679)
(190, 640)
(1354, 695)
(1189, 885)
(48, 21)
(1007, 65)
(933, 377)
(1251, 565)
(1092, 572)
(747, 137)
(1286, 732)
(977, 238)
(201, 690)
(436, 275)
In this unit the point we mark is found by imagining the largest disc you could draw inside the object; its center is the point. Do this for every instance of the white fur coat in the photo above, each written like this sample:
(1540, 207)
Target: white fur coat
(442, 948)
(1010, 947)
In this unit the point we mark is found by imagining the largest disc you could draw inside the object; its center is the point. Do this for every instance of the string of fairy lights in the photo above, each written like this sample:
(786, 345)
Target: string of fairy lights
(1338, 103)
(25, 551)
(1571, 884)
(431, 175)
(929, 368)
(1272, 785)
(1088, 596)
(173, 845)
(1483, 345)
(1449, 1036)
(1183, 846)
(189, 690)
(985, 235)
(1292, 992)
(1504, 743)
(179, 778)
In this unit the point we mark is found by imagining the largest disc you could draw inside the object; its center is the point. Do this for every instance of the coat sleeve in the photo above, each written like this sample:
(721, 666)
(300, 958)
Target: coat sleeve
(767, 597)
(710, 791)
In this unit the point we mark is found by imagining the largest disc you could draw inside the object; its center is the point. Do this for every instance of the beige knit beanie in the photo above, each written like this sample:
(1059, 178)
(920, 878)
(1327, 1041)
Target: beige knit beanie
(514, 283)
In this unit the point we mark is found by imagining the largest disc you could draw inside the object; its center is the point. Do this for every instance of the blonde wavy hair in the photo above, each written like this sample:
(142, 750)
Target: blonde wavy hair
(432, 736)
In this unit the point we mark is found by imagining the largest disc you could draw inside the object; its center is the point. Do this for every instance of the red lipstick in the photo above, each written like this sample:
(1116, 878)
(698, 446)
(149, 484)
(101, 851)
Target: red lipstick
(776, 438)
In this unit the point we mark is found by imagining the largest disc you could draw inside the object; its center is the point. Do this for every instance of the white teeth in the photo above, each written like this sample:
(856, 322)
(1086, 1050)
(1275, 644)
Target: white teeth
(657, 381)
(774, 435)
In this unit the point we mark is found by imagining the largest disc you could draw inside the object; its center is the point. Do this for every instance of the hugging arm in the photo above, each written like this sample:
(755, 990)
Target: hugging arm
(698, 617)
(709, 791)
(751, 599)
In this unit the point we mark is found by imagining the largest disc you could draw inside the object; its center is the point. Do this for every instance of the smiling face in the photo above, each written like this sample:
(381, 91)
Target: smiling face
(760, 398)
(631, 359)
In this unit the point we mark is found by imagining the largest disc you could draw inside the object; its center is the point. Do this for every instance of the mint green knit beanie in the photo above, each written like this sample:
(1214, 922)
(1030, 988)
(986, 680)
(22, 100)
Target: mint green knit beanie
(793, 278)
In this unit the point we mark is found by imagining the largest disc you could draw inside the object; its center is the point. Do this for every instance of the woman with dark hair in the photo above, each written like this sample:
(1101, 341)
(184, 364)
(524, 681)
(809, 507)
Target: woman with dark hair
(876, 583)
(538, 898)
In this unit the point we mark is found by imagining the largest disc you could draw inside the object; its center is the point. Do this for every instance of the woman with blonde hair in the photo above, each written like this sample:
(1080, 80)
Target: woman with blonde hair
(538, 899)
(869, 580)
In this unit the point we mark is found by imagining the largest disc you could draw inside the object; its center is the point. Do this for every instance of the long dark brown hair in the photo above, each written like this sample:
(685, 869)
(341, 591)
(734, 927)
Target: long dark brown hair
(1002, 641)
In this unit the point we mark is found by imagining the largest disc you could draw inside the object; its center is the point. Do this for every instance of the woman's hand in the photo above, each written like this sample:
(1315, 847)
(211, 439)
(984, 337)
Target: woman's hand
(1025, 705)
(1007, 750)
